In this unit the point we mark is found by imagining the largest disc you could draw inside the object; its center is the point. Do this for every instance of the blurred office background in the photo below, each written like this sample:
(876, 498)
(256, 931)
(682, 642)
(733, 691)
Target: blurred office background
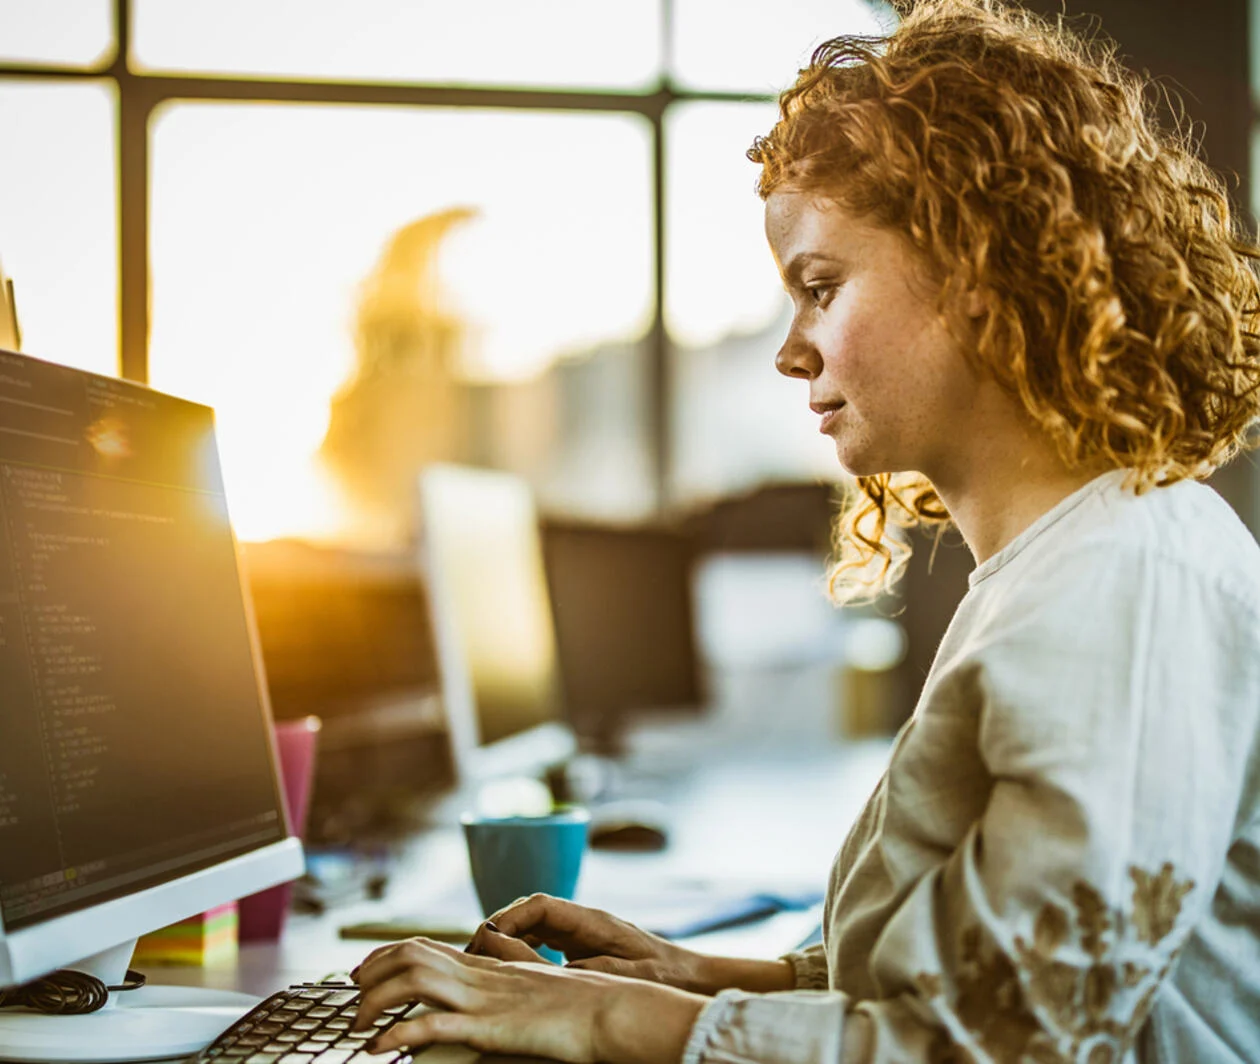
(520, 234)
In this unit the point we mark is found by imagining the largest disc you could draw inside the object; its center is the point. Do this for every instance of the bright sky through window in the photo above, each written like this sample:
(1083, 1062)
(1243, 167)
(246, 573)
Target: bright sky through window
(758, 46)
(56, 32)
(720, 277)
(604, 44)
(58, 233)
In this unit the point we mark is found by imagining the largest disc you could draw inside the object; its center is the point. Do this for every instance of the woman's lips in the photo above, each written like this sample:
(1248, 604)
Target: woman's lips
(830, 414)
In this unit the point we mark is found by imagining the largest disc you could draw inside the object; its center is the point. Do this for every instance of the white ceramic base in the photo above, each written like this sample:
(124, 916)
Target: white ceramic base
(152, 1023)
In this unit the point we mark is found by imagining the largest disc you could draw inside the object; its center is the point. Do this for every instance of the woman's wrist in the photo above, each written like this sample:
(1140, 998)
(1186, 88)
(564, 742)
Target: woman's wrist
(645, 1023)
(740, 973)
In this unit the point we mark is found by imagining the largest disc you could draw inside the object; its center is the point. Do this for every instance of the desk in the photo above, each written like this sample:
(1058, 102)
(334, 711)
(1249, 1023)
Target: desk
(771, 820)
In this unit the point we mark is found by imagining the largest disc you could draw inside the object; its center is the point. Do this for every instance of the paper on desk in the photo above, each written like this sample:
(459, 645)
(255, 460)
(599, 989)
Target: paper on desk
(673, 909)
(687, 908)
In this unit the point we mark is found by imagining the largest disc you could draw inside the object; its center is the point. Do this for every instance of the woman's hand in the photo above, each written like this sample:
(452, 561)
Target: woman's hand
(593, 941)
(535, 1009)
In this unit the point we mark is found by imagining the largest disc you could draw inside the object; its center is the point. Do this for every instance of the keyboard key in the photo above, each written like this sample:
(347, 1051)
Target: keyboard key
(304, 1025)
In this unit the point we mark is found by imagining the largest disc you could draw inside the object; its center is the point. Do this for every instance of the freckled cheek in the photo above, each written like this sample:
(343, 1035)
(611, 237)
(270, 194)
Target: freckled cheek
(852, 359)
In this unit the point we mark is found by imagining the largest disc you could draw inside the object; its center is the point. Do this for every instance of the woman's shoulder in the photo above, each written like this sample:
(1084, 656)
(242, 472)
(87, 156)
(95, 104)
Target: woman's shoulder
(1159, 590)
(1183, 540)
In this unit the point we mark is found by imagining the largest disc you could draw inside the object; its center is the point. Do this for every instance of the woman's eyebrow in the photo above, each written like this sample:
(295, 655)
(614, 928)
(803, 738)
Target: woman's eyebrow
(792, 272)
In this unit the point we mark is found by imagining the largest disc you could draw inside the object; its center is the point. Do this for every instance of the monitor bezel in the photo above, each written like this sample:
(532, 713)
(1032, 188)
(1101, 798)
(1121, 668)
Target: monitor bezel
(43, 947)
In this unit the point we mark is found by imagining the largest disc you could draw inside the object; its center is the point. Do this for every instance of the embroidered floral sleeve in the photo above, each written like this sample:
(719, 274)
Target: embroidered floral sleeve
(1078, 990)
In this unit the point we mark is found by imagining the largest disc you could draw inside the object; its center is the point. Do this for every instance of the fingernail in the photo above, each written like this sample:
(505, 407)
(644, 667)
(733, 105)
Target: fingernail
(354, 975)
(372, 1044)
(490, 927)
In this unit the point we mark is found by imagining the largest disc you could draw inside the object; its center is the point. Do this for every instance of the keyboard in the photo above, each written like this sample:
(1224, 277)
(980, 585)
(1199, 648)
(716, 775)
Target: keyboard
(305, 1024)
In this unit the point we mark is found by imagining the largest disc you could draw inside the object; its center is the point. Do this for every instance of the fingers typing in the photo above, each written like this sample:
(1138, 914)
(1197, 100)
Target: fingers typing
(417, 970)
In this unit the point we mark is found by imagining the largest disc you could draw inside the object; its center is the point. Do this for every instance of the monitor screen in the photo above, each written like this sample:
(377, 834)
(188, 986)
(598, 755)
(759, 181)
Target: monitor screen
(487, 591)
(134, 739)
(622, 600)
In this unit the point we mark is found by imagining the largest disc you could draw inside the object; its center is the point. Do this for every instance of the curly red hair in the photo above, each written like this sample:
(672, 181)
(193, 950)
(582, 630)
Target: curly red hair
(1027, 166)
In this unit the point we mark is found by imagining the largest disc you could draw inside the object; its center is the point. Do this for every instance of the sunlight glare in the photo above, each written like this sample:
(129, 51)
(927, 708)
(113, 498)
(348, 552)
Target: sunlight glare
(266, 219)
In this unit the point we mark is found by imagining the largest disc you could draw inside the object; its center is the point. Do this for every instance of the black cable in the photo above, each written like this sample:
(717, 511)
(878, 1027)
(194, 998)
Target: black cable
(66, 992)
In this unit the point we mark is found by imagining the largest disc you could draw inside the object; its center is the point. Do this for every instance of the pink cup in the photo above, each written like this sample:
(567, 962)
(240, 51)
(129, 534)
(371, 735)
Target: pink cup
(261, 915)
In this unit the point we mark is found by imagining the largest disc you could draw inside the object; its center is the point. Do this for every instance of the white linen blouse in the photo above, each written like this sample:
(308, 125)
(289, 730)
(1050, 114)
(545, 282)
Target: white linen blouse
(1062, 861)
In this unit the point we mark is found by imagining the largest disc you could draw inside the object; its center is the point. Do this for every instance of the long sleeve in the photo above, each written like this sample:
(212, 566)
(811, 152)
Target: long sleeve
(810, 967)
(1111, 704)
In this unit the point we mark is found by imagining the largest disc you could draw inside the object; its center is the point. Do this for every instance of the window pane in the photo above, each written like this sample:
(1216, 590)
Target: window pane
(453, 256)
(759, 47)
(58, 219)
(56, 32)
(736, 422)
(502, 42)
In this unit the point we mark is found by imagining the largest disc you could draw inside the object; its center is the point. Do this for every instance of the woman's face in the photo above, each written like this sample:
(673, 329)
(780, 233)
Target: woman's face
(889, 382)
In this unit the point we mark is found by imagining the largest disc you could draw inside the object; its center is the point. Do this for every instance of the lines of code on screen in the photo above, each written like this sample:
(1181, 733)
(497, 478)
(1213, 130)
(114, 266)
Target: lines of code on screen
(133, 745)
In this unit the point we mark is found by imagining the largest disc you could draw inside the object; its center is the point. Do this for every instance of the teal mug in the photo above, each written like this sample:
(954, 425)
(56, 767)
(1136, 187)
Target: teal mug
(512, 857)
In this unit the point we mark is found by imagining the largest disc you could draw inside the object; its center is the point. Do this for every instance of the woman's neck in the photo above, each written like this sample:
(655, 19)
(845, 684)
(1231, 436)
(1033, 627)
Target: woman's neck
(1008, 478)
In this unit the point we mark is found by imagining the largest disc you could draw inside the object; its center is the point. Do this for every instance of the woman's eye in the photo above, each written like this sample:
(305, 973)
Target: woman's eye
(820, 294)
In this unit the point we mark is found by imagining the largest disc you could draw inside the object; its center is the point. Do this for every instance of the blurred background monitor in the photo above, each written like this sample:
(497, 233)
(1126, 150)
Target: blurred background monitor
(345, 637)
(481, 556)
(622, 598)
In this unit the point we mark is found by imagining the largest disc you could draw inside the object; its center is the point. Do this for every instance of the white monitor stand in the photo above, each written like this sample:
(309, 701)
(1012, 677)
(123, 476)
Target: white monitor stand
(150, 1023)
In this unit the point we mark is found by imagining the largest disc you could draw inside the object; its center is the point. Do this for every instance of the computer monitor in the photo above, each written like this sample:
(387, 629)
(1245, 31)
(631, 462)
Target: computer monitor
(137, 773)
(622, 597)
(345, 636)
(481, 556)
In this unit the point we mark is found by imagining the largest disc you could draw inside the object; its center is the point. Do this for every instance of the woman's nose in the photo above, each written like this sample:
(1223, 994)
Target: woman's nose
(796, 358)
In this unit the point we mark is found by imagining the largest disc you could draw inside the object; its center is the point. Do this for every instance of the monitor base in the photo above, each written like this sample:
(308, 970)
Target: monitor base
(152, 1023)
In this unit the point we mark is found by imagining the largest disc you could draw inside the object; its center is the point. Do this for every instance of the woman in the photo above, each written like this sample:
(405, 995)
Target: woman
(1020, 309)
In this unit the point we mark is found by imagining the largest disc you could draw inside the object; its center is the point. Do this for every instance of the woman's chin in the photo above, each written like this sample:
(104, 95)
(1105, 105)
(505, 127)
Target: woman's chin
(856, 463)
(864, 465)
